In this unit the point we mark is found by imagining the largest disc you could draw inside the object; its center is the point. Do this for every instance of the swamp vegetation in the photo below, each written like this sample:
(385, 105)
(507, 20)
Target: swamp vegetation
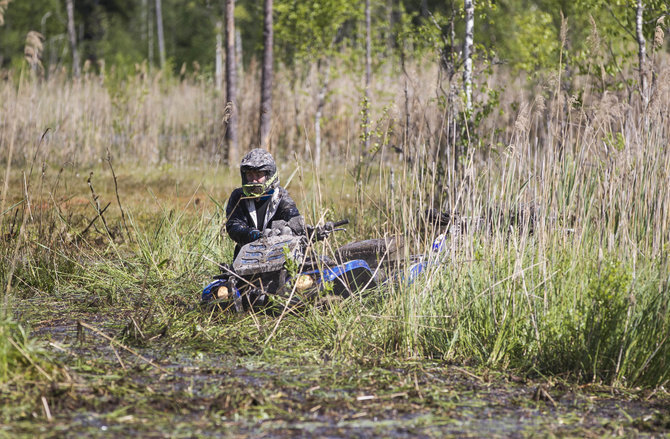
(516, 333)
(547, 315)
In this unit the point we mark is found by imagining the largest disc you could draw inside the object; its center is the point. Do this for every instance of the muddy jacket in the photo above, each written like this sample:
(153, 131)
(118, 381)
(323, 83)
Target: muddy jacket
(244, 214)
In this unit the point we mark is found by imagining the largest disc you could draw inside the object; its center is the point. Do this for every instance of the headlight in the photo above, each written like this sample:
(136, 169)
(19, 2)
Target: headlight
(304, 282)
(222, 293)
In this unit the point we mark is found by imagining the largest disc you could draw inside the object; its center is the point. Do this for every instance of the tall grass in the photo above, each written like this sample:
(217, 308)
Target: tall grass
(586, 293)
(561, 268)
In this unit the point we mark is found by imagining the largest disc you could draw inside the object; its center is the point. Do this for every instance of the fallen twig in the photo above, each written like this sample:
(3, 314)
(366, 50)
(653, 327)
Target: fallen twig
(95, 219)
(470, 374)
(118, 357)
(97, 205)
(47, 412)
(118, 199)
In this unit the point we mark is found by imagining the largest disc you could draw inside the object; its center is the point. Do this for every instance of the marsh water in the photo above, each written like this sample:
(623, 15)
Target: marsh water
(162, 389)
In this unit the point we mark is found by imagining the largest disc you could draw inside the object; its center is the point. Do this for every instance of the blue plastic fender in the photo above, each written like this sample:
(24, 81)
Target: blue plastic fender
(332, 273)
(415, 270)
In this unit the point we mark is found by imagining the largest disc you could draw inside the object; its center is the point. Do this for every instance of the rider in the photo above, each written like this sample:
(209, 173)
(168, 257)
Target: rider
(253, 207)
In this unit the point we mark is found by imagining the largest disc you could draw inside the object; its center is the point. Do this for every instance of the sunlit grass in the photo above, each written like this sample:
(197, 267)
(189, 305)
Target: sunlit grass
(561, 267)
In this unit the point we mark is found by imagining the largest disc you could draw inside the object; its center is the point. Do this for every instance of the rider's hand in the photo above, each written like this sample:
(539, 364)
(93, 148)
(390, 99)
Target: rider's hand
(298, 226)
(317, 233)
(254, 235)
(321, 233)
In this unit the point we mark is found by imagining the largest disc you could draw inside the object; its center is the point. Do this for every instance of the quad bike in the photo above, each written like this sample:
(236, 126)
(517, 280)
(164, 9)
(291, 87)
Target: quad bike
(281, 269)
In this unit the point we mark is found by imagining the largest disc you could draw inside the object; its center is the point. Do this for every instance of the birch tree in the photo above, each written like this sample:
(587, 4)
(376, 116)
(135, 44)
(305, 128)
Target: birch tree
(72, 37)
(311, 31)
(642, 51)
(231, 84)
(159, 30)
(467, 52)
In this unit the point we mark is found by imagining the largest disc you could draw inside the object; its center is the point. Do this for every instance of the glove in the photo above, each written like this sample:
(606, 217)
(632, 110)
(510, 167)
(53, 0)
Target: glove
(318, 233)
(297, 225)
(254, 235)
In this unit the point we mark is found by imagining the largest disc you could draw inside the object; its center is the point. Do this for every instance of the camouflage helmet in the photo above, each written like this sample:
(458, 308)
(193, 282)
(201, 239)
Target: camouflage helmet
(259, 160)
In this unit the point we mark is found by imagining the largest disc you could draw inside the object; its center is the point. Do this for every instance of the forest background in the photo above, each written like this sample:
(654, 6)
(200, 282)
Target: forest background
(519, 49)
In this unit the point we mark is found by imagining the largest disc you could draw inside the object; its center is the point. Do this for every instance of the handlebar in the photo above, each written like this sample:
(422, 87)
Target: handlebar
(340, 223)
(319, 233)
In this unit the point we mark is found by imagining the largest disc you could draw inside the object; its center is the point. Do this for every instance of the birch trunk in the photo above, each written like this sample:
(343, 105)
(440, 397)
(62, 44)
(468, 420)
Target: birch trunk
(642, 51)
(231, 84)
(159, 29)
(467, 52)
(73, 37)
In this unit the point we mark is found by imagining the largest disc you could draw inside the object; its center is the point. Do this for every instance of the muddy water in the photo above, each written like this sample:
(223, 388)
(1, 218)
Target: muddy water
(112, 392)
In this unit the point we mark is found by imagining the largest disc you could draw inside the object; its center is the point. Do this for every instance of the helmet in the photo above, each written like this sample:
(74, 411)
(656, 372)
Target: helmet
(261, 161)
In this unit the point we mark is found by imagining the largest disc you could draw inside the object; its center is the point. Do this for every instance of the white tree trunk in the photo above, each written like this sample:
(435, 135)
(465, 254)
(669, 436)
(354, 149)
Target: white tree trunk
(159, 29)
(642, 51)
(73, 37)
(467, 51)
(231, 83)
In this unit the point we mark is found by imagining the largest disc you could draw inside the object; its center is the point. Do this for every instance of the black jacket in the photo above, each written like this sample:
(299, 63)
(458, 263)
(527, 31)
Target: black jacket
(239, 218)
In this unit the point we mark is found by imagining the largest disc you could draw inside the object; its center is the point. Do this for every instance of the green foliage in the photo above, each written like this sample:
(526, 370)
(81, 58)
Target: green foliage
(592, 329)
(616, 141)
(525, 34)
(290, 263)
(537, 43)
(604, 312)
(20, 355)
(310, 29)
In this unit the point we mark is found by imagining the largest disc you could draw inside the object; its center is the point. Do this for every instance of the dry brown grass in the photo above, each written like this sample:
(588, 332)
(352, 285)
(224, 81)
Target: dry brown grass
(581, 156)
(156, 120)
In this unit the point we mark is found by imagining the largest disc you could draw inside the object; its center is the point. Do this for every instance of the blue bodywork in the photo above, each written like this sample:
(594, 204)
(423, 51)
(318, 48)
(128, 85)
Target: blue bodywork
(433, 257)
(332, 273)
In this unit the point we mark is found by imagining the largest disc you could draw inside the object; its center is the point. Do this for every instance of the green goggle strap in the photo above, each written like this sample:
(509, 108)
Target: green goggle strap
(249, 191)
